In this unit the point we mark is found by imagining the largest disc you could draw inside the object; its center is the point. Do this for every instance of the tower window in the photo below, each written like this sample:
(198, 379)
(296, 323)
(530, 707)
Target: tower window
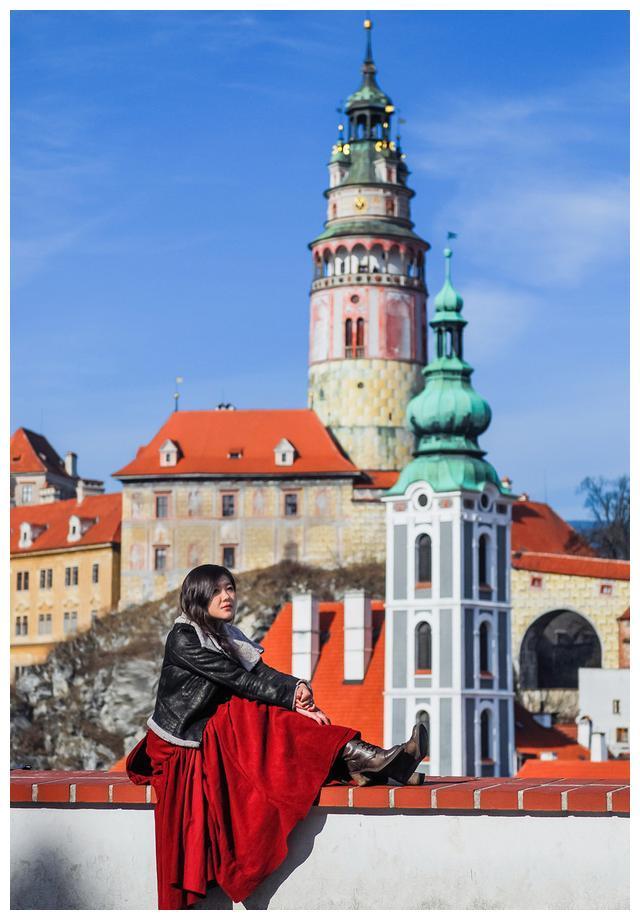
(160, 558)
(485, 735)
(390, 207)
(484, 649)
(229, 557)
(616, 707)
(162, 506)
(228, 505)
(290, 504)
(348, 339)
(359, 338)
(423, 561)
(423, 647)
(483, 561)
(423, 718)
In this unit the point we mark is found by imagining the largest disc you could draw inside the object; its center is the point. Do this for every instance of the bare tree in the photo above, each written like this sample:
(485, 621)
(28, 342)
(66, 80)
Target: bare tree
(608, 500)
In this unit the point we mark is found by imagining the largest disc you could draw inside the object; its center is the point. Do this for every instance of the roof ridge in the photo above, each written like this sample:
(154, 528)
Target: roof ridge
(533, 552)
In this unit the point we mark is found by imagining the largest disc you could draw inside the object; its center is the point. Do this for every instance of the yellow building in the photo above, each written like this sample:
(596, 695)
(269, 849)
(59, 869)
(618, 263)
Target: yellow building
(65, 572)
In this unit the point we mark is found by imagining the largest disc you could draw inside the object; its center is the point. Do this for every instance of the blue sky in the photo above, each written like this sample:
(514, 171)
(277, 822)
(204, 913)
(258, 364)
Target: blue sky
(167, 175)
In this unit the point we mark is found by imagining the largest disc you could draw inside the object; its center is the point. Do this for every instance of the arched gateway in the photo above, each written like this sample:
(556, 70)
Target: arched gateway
(554, 647)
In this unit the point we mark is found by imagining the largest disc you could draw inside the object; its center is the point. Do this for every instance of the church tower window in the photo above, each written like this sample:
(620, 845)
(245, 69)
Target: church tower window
(483, 561)
(423, 561)
(359, 338)
(348, 339)
(484, 648)
(423, 718)
(485, 735)
(423, 647)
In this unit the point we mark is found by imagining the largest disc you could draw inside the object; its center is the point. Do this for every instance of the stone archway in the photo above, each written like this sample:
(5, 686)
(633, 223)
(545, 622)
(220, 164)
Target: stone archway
(554, 647)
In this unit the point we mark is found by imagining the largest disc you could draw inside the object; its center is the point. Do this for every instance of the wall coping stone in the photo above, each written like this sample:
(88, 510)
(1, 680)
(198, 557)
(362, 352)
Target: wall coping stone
(443, 794)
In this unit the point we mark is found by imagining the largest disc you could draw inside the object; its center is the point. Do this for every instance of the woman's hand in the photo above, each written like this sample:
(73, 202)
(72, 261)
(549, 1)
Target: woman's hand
(304, 697)
(316, 714)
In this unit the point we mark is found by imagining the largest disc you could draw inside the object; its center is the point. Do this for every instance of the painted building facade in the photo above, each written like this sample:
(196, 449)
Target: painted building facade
(448, 620)
(65, 572)
(38, 474)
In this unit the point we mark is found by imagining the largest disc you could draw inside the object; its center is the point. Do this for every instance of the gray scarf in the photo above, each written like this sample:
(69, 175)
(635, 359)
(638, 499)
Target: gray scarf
(247, 651)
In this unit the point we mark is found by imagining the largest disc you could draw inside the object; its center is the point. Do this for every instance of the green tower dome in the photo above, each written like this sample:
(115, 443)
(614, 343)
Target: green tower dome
(448, 416)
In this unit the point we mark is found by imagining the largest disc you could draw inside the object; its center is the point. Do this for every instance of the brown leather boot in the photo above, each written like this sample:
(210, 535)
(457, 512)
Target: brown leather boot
(369, 764)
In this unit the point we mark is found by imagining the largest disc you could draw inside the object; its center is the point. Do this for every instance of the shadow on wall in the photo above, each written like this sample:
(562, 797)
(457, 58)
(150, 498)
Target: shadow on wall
(300, 842)
(47, 881)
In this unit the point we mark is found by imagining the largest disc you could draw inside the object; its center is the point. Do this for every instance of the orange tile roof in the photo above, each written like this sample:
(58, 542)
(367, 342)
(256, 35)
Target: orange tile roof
(577, 769)
(377, 479)
(626, 615)
(538, 529)
(533, 738)
(31, 453)
(356, 705)
(106, 509)
(565, 564)
(205, 438)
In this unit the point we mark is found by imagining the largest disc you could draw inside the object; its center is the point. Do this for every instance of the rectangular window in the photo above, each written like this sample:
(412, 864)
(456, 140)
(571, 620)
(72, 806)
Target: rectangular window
(27, 494)
(22, 581)
(160, 558)
(44, 624)
(70, 624)
(228, 505)
(162, 506)
(43, 578)
(22, 626)
(606, 589)
(95, 573)
(19, 581)
(622, 735)
(20, 670)
(67, 577)
(49, 578)
(73, 575)
(616, 707)
(290, 504)
(229, 556)
(536, 581)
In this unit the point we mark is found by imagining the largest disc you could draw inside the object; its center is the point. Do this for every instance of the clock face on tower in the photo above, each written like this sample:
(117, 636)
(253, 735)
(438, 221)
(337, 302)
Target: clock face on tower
(360, 204)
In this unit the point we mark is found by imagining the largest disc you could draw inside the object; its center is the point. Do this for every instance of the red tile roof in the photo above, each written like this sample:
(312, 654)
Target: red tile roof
(533, 738)
(557, 564)
(356, 705)
(377, 479)
(577, 769)
(205, 439)
(538, 529)
(105, 509)
(32, 453)
(626, 615)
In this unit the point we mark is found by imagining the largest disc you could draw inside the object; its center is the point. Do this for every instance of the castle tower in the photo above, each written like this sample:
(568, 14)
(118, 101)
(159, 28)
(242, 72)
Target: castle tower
(448, 621)
(368, 295)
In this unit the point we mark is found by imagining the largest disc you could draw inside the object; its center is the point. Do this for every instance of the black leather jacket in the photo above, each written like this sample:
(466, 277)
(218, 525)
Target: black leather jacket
(194, 680)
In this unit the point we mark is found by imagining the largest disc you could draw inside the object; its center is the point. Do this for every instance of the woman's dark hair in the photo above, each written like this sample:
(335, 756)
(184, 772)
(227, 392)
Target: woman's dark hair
(195, 597)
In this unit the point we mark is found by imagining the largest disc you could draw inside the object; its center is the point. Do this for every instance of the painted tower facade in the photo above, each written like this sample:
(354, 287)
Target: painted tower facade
(368, 295)
(448, 622)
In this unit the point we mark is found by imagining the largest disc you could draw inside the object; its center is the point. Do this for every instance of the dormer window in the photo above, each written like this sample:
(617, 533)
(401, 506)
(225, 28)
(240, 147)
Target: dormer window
(235, 453)
(284, 453)
(26, 538)
(29, 533)
(78, 527)
(169, 453)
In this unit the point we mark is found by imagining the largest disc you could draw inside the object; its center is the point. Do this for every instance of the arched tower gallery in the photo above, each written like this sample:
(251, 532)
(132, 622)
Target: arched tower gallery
(368, 295)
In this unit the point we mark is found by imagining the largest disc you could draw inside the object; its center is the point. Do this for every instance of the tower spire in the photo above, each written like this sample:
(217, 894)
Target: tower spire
(368, 55)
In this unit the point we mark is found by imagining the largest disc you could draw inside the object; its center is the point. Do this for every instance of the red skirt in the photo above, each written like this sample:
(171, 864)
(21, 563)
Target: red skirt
(224, 810)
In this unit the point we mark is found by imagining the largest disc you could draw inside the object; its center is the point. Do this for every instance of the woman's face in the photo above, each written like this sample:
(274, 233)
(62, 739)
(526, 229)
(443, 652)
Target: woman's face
(223, 602)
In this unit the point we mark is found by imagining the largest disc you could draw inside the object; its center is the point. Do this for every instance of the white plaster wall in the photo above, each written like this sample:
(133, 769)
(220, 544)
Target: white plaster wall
(65, 858)
(597, 689)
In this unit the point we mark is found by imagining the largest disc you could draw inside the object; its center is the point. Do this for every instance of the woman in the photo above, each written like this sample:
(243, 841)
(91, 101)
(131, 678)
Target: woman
(237, 752)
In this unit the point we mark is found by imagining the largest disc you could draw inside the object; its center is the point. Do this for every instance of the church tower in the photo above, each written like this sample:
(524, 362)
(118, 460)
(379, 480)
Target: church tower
(368, 295)
(448, 620)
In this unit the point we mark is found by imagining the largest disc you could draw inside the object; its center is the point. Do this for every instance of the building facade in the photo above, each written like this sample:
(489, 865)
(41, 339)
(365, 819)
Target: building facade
(65, 572)
(245, 489)
(39, 475)
(367, 331)
(448, 613)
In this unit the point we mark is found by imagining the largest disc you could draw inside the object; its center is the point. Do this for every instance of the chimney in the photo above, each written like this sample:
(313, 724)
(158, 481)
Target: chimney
(506, 483)
(598, 746)
(71, 464)
(357, 634)
(305, 639)
(584, 732)
(80, 491)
